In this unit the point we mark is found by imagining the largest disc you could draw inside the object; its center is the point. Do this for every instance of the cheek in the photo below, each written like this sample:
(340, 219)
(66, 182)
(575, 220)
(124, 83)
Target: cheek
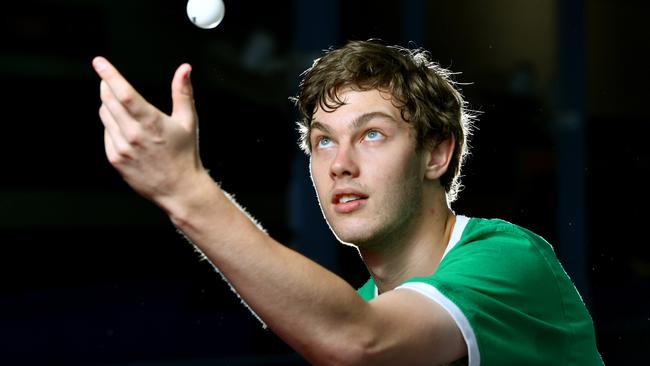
(318, 175)
(398, 171)
(406, 185)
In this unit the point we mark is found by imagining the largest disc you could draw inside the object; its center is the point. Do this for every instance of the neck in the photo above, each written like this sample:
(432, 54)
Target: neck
(412, 254)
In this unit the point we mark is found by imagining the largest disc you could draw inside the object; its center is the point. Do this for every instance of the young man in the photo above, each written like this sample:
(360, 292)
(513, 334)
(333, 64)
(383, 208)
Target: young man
(385, 129)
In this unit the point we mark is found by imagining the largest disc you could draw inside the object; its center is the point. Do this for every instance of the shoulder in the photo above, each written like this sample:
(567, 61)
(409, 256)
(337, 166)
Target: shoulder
(496, 230)
(500, 267)
(508, 283)
(501, 246)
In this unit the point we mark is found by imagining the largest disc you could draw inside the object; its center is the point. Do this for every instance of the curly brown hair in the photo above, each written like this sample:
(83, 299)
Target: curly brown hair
(422, 90)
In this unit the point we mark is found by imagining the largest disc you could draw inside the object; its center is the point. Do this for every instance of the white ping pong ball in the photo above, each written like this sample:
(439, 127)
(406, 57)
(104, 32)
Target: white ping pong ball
(206, 14)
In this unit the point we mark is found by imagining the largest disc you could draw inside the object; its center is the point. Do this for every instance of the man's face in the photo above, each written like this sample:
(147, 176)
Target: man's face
(367, 174)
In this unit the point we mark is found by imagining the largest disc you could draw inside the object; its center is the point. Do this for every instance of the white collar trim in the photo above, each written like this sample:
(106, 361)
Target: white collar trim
(456, 234)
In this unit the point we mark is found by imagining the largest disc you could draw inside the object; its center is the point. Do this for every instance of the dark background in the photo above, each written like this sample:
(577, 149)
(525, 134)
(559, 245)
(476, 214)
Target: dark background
(92, 274)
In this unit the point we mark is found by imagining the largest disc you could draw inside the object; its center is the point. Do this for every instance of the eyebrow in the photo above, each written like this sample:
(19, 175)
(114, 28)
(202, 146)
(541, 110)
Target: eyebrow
(356, 123)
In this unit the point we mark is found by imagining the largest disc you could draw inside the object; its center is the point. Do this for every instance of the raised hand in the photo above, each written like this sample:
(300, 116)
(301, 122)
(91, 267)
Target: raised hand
(157, 154)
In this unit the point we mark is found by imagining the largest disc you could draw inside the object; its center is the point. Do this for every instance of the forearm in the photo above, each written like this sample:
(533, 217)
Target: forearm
(312, 309)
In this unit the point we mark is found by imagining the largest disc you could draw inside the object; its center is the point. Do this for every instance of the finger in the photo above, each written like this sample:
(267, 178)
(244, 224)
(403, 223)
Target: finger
(183, 96)
(109, 148)
(114, 155)
(112, 129)
(121, 121)
(121, 89)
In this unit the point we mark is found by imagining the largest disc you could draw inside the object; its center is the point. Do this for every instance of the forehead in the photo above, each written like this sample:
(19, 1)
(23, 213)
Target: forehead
(357, 103)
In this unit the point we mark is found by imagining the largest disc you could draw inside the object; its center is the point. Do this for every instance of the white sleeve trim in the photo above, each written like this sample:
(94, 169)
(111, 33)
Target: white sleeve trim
(456, 314)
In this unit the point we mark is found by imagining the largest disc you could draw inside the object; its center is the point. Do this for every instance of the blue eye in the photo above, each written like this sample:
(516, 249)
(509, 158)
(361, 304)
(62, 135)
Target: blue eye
(373, 135)
(324, 142)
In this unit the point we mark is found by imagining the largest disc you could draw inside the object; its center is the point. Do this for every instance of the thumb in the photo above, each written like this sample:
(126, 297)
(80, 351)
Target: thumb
(183, 97)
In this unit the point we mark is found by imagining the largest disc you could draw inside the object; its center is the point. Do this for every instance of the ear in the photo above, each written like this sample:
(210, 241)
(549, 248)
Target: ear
(438, 158)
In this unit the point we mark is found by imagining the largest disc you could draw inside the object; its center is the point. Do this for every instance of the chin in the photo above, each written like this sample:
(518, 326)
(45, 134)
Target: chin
(353, 231)
(353, 236)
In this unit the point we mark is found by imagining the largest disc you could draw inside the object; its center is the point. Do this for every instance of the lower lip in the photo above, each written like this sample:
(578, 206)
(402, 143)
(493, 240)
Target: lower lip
(350, 206)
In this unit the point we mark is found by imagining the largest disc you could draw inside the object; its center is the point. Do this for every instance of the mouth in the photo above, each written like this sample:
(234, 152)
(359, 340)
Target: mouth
(346, 202)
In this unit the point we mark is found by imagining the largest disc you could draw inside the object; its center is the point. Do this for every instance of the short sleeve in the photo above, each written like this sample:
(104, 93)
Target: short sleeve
(517, 299)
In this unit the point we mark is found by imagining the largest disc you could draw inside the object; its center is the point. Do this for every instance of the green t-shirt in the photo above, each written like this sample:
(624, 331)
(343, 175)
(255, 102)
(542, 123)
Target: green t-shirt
(510, 297)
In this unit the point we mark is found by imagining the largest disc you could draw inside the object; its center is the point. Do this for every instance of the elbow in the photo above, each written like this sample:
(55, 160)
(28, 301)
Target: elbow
(345, 352)
(344, 356)
(351, 355)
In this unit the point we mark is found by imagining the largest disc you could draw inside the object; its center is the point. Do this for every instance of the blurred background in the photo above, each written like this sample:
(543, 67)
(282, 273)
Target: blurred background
(93, 274)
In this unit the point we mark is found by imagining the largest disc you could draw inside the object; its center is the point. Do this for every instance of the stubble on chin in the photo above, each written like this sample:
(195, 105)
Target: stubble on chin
(386, 227)
(379, 231)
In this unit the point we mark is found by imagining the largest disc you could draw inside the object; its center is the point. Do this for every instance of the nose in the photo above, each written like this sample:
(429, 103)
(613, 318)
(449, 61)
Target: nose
(344, 163)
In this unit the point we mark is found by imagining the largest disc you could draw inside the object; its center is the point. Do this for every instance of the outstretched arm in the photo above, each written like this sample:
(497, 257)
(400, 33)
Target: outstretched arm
(313, 310)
